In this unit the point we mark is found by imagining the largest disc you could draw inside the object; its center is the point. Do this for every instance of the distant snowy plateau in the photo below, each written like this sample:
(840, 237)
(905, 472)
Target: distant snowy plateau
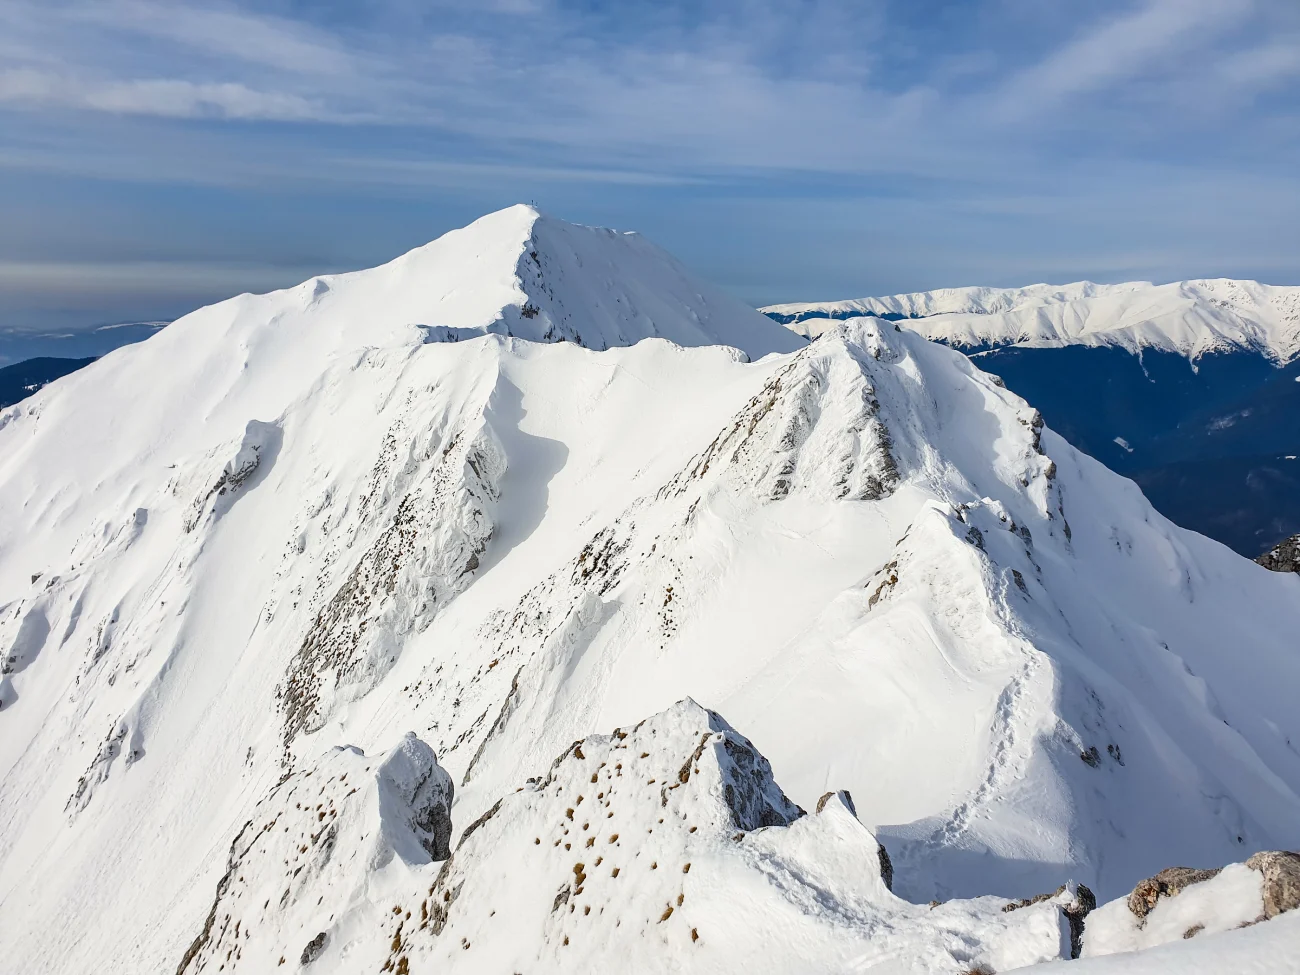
(360, 627)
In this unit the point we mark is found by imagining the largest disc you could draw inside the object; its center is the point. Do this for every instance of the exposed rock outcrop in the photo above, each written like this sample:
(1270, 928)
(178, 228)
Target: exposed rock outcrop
(1169, 882)
(1281, 873)
(428, 553)
(1076, 903)
(314, 947)
(1283, 557)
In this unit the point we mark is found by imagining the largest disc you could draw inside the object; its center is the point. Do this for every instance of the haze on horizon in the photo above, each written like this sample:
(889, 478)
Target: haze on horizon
(157, 156)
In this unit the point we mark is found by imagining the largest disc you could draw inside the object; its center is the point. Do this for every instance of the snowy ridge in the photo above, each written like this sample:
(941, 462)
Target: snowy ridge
(331, 832)
(302, 533)
(672, 836)
(1192, 318)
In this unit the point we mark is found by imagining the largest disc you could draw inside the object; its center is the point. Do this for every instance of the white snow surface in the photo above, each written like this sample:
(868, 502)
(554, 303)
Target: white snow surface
(1264, 949)
(1192, 318)
(1210, 927)
(1229, 900)
(289, 529)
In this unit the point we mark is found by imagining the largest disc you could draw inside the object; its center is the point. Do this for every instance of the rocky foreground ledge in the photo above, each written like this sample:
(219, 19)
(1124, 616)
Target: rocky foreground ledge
(671, 834)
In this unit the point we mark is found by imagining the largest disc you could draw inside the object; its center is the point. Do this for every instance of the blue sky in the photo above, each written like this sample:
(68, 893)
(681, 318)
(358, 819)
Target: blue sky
(158, 155)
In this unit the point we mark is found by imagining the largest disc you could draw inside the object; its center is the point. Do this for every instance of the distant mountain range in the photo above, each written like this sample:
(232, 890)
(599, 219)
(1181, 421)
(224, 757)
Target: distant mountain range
(1192, 389)
(21, 344)
(20, 380)
(41, 358)
(1191, 318)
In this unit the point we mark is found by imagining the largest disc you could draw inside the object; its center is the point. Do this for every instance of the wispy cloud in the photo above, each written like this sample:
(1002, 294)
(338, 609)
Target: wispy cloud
(744, 83)
(1154, 38)
(228, 34)
(888, 106)
(1265, 66)
(166, 97)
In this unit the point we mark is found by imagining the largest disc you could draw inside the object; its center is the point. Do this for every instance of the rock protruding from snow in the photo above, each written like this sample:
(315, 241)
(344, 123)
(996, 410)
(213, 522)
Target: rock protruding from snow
(260, 440)
(415, 800)
(1188, 317)
(815, 427)
(886, 865)
(1184, 902)
(1283, 557)
(1169, 882)
(428, 552)
(313, 847)
(1076, 903)
(1280, 870)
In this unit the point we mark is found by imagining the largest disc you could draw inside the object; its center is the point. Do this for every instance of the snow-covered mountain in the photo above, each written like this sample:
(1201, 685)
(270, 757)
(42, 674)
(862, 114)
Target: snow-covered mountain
(1190, 318)
(1189, 388)
(313, 588)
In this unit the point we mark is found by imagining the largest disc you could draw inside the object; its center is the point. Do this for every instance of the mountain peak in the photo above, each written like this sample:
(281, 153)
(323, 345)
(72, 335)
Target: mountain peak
(525, 274)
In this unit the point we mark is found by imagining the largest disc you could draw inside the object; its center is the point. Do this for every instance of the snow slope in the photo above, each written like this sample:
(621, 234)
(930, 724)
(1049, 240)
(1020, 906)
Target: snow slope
(1191, 318)
(307, 527)
(1264, 949)
(1208, 921)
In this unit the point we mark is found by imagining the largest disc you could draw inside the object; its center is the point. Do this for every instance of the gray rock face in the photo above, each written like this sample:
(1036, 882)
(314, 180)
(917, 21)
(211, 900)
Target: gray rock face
(1281, 871)
(749, 790)
(314, 947)
(1169, 882)
(1283, 557)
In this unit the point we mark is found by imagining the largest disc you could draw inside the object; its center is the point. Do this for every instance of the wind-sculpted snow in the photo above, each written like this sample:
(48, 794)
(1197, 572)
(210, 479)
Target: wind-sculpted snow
(260, 443)
(602, 288)
(291, 523)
